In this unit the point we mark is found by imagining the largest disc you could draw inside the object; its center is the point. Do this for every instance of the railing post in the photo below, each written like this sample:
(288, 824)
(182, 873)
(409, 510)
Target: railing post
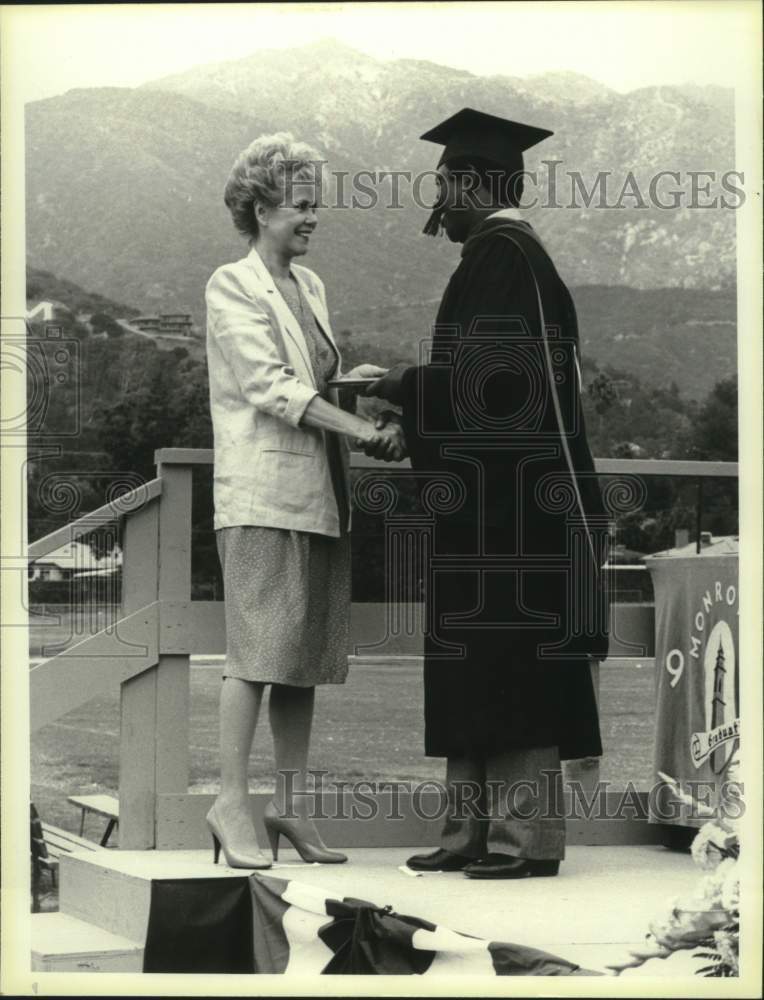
(155, 704)
(173, 672)
(138, 696)
(698, 513)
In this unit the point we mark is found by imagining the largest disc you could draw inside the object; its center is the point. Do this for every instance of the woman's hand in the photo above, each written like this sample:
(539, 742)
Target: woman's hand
(385, 439)
(389, 419)
(365, 371)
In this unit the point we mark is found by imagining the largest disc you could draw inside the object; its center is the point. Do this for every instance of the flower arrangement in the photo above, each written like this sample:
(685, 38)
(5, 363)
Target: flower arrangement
(708, 919)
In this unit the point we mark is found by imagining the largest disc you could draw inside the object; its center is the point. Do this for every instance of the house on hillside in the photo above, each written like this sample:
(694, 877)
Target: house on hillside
(173, 324)
(74, 559)
(149, 324)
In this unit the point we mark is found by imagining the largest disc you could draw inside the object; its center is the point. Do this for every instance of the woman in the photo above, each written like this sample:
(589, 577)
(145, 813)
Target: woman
(281, 492)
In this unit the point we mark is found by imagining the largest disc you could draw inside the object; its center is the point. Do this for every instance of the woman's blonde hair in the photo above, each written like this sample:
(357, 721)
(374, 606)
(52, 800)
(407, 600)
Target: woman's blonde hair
(260, 173)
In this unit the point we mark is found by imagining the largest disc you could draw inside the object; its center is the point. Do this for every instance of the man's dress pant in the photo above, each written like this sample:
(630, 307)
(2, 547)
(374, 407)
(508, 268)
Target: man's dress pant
(505, 803)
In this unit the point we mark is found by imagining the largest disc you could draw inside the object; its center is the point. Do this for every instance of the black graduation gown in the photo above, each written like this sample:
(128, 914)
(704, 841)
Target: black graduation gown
(517, 553)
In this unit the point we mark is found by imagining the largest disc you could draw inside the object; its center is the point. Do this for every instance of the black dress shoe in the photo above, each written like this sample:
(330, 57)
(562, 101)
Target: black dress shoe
(439, 861)
(507, 866)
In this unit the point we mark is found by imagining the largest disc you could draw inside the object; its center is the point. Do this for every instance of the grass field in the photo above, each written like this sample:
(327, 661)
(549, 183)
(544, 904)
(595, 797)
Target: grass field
(369, 728)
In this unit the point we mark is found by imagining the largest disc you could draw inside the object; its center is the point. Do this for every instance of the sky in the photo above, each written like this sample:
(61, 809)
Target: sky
(621, 44)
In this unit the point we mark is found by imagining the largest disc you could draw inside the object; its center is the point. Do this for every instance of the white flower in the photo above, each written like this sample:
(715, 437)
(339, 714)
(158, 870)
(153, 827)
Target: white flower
(731, 888)
(726, 943)
(710, 843)
(707, 894)
(662, 928)
(711, 910)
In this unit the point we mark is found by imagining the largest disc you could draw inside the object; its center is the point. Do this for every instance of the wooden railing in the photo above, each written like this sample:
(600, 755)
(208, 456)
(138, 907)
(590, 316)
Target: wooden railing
(147, 650)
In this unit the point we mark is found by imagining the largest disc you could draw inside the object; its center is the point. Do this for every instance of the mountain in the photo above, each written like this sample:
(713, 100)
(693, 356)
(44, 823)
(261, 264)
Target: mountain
(125, 196)
(564, 87)
(124, 186)
(363, 110)
(659, 335)
(44, 286)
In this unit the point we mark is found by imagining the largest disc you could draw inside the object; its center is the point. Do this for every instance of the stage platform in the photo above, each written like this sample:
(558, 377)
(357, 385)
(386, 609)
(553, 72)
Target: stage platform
(599, 906)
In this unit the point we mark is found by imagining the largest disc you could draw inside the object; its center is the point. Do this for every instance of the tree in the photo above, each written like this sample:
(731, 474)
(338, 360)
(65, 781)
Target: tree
(603, 393)
(715, 434)
(103, 323)
(714, 438)
(170, 408)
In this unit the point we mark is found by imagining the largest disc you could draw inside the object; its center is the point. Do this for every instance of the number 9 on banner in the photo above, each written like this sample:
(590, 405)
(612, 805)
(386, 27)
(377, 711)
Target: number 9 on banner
(675, 665)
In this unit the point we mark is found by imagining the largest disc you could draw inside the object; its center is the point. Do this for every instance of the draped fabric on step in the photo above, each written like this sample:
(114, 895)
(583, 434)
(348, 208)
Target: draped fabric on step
(272, 925)
(199, 925)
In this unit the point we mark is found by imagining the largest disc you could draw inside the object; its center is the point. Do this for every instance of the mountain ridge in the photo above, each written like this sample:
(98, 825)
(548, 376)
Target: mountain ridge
(658, 344)
(124, 185)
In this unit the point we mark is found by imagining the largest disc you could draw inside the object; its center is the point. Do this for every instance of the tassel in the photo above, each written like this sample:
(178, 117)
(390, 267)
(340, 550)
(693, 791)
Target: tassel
(433, 226)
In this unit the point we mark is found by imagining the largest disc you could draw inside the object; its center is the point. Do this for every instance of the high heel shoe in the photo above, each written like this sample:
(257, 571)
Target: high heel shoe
(311, 851)
(233, 858)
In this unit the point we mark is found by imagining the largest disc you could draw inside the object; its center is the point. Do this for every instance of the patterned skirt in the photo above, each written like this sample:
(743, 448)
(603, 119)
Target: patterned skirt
(287, 605)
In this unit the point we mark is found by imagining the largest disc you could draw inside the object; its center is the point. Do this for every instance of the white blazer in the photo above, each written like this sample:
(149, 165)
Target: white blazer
(268, 471)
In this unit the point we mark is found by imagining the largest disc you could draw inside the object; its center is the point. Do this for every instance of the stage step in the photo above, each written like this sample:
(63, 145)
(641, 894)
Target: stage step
(604, 897)
(62, 943)
(112, 889)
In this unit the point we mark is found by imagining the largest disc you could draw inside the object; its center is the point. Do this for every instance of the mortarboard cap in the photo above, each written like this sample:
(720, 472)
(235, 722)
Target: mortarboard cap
(475, 133)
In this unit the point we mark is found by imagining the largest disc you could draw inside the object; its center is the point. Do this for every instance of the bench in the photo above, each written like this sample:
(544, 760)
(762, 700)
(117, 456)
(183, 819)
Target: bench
(100, 805)
(60, 842)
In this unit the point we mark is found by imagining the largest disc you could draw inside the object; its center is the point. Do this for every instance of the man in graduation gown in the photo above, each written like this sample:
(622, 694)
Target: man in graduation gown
(514, 589)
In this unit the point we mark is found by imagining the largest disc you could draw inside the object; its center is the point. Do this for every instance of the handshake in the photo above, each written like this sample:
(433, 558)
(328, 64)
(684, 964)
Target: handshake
(385, 439)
